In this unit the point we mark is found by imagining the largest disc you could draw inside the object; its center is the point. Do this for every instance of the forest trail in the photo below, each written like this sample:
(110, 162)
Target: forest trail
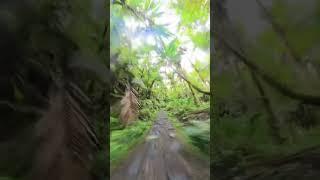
(161, 157)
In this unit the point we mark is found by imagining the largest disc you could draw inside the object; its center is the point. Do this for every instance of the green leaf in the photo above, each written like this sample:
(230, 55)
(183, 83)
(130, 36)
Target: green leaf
(171, 51)
(201, 39)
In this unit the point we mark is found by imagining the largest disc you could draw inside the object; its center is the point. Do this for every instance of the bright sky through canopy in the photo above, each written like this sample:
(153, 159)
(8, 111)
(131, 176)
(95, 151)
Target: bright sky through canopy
(169, 18)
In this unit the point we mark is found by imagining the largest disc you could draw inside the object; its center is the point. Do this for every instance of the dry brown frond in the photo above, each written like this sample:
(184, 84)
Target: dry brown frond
(66, 141)
(130, 106)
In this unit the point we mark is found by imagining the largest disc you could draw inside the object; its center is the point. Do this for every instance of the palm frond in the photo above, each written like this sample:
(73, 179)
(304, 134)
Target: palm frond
(67, 141)
(130, 106)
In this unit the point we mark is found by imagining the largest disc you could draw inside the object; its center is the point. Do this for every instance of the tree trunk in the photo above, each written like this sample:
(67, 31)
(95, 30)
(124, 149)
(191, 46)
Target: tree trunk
(272, 120)
(193, 94)
(149, 91)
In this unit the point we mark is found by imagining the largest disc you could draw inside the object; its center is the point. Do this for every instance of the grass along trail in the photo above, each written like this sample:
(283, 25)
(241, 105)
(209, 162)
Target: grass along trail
(161, 157)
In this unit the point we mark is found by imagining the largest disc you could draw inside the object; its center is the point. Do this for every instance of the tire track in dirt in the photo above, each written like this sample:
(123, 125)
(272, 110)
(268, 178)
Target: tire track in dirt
(161, 157)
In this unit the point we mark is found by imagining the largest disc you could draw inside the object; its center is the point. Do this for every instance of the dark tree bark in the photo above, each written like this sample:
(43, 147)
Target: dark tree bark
(272, 120)
(280, 87)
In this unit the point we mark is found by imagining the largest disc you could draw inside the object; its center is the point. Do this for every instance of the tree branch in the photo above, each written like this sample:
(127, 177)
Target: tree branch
(192, 85)
(198, 72)
(138, 14)
(280, 31)
(282, 88)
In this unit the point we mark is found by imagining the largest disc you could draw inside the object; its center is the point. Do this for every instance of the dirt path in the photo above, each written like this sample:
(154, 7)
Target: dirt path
(161, 157)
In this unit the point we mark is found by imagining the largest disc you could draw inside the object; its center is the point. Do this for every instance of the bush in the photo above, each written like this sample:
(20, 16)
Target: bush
(199, 133)
(121, 141)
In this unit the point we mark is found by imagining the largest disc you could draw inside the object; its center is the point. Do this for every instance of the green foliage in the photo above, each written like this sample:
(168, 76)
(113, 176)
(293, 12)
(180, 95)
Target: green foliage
(248, 111)
(246, 139)
(148, 109)
(195, 136)
(199, 133)
(184, 104)
(115, 124)
(121, 141)
(148, 51)
(200, 39)
(192, 10)
(160, 31)
(171, 50)
(134, 3)
(195, 132)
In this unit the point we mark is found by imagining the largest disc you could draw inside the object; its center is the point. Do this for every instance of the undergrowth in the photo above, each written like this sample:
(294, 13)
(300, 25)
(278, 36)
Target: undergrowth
(247, 141)
(179, 107)
(122, 140)
(252, 137)
(195, 133)
(195, 137)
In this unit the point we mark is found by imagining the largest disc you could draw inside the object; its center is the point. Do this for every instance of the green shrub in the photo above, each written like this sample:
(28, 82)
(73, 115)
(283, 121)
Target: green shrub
(115, 124)
(121, 141)
(199, 133)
